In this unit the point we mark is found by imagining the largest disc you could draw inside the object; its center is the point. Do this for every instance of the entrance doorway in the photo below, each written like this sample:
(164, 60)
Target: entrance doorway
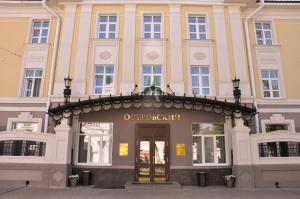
(152, 153)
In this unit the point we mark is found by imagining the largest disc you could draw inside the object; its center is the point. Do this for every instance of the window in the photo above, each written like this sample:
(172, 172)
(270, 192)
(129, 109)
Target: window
(200, 80)
(197, 27)
(270, 83)
(104, 80)
(152, 27)
(208, 143)
(152, 75)
(39, 32)
(263, 33)
(277, 127)
(22, 148)
(25, 126)
(32, 82)
(107, 27)
(95, 143)
(279, 149)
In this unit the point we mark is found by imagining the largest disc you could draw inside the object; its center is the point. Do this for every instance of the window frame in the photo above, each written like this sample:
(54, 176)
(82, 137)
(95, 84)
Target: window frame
(198, 75)
(94, 80)
(98, 23)
(207, 26)
(280, 87)
(227, 159)
(30, 31)
(95, 164)
(273, 31)
(278, 119)
(33, 84)
(197, 27)
(162, 83)
(162, 34)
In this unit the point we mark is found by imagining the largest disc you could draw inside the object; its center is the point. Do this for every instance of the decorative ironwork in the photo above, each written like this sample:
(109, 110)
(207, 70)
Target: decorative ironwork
(152, 97)
(67, 90)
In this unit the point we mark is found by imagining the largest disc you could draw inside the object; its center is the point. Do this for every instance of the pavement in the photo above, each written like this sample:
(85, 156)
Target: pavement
(182, 193)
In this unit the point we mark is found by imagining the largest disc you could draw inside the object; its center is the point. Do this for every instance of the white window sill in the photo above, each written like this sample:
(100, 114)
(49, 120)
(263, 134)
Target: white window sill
(93, 165)
(210, 164)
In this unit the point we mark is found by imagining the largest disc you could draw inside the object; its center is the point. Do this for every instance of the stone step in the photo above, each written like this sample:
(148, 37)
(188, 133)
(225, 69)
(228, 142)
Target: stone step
(152, 185)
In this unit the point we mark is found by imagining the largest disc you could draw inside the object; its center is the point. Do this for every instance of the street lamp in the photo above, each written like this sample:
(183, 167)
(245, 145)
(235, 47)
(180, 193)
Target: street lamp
(236, 90)
(67, 90)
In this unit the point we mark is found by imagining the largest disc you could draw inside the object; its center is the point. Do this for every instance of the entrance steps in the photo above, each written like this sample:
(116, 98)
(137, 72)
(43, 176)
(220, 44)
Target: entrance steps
(152, 185)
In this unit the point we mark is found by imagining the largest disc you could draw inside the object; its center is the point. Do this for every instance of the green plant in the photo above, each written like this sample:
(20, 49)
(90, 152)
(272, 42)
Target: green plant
(229, 177)
(76, 176)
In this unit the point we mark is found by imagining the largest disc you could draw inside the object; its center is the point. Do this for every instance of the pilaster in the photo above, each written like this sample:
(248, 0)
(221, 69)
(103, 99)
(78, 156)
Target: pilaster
(63, 65)
(225, 85)
(127, 83)
(177, 83)
(79, 83)
(238, 49)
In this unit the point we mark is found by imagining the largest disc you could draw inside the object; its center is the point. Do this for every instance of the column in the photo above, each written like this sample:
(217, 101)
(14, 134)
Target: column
(177, 83)
(127, 83)
(61, 168)
(225, 84)
(239, 48)
(79, 82)
(63, 62)
(242, 167)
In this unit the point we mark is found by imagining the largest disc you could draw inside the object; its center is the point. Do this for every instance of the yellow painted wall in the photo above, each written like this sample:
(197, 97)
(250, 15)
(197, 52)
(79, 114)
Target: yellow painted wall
(287, 32)
(104, 9)
(288, 36)
(13, 35)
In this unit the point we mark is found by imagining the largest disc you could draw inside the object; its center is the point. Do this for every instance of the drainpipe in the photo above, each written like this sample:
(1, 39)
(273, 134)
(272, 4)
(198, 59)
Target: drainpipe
(250, 62)
(53, 60)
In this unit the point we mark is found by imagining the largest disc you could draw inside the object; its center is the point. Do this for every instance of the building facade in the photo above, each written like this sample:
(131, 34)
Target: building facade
(151, 92)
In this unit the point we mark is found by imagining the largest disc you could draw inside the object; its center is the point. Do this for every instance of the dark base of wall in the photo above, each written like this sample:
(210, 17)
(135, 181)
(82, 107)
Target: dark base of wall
(116, 178)
(38, 175)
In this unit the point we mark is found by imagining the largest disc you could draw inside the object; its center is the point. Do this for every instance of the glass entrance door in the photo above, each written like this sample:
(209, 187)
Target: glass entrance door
(152, 150)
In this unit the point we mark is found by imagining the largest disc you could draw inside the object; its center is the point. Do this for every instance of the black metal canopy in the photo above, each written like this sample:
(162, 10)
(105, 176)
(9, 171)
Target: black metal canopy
(152, 97)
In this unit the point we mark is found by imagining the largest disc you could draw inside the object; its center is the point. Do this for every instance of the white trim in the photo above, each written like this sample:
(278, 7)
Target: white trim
(272, 30)
(273, 50)
(159, 43)
(21, 100)
(18, 109)
(24, 117)
(278, 119)
(279, 110)
(76, 147)
(109, 43)
(227, 138)
(28, 47)
(212, 82)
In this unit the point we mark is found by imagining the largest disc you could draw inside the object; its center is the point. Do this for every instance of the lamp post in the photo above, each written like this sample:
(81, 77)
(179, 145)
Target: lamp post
(236, 90)
(67, 90)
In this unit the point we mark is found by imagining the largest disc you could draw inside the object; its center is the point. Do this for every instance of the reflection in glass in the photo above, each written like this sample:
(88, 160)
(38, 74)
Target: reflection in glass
(209, 149)
(197, 149)
(221, 149)
(144, 171)
(159, 152)
(144, 152)
(160, 171)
